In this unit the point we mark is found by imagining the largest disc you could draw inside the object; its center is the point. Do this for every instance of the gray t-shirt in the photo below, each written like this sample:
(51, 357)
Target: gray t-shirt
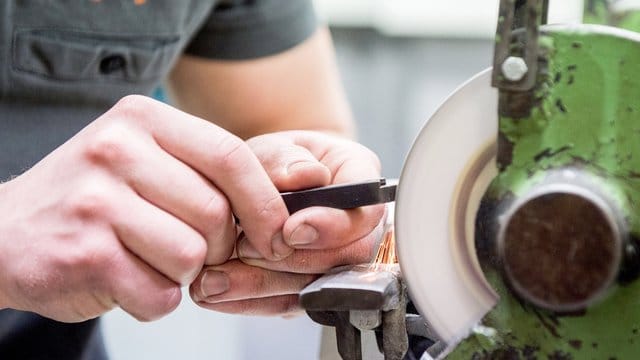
(63, 63)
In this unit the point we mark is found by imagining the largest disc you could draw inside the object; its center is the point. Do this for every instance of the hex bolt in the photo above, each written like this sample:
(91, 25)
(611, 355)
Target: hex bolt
(514, 68)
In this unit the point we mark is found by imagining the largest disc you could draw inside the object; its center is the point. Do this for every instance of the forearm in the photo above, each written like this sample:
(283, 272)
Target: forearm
(298, 89)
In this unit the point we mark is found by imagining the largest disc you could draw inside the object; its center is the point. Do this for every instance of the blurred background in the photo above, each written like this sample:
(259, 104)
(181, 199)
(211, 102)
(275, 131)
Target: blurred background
(399, 59)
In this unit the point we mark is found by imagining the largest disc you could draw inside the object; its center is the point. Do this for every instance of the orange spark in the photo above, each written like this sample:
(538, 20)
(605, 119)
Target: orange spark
(387, 251)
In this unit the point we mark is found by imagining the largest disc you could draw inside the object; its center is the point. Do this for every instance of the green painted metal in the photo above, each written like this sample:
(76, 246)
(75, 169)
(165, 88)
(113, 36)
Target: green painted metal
(586, 115)
(599, 12)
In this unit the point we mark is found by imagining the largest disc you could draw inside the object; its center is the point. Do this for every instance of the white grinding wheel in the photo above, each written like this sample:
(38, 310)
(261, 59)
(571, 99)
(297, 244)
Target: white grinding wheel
(445, 174)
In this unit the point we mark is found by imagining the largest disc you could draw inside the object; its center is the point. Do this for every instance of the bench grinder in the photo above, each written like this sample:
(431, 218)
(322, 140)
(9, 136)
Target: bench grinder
(517, 213)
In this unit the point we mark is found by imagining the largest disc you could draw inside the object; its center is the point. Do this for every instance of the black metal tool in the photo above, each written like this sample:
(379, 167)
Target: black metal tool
(341, 196)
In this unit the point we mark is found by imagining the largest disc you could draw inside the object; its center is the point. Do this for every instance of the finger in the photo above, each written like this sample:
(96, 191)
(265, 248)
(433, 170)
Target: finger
(173, 186)
(235, 281)
(140, 290)
(275, 305)
(326, 228)
(225, 160)
(347, 161)
(290, 166)
(184, 193)
(306, 261)
(161, 240)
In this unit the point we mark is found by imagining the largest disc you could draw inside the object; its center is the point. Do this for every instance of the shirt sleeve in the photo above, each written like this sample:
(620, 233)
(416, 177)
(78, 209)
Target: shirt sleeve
(245, 29)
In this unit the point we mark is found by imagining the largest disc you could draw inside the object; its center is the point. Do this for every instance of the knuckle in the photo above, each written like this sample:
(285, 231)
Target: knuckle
(132, 107)
(190, 258)
(244, 308)
(84, 258)
(270, 206)
(267, 211)
(231, 153)
(259, 283)
(217, 211)
(111, 146)
(90, 202)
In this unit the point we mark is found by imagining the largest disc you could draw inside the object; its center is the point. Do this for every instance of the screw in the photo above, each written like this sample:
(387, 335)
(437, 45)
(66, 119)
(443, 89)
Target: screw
(514, 68)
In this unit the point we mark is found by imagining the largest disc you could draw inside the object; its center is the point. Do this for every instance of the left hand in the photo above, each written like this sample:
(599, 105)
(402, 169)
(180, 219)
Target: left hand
(322, 238)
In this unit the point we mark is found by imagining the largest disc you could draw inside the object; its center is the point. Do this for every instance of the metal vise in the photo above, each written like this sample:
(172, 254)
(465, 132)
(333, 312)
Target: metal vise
(365, 297)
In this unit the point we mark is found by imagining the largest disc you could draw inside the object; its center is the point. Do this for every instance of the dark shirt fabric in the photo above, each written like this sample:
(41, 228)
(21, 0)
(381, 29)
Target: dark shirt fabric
(65, 62)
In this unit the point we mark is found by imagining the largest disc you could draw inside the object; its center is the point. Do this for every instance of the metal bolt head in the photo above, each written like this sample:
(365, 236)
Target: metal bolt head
(514, 68)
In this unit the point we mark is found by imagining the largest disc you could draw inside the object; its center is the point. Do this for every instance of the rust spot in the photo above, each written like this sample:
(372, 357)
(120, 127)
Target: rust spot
(557, 77)
(630, 268)
(559, 355)
(576, 45)
(529, 352)
(547, 153)
(547, 325)
(561, 106)
(505, 151)
(572, 67)
(508, 353)
(576, 313)
(576, 344)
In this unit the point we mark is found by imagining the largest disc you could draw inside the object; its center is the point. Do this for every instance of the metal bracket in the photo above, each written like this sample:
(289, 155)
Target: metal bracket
(520, 57)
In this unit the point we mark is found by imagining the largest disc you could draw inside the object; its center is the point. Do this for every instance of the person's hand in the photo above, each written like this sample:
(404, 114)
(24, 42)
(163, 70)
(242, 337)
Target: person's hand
(129, 210)
(322, 237)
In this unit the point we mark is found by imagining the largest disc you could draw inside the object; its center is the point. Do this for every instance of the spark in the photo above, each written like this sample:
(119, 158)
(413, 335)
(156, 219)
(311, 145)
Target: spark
(387, 251)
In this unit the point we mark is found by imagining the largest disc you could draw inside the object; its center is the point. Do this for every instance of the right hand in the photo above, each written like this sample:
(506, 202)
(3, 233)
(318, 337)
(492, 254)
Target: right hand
(127, 211)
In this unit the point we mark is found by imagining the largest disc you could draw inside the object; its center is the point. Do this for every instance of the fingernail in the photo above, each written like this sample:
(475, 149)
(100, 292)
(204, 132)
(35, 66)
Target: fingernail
(304, 234)
(280, 249)
(214, 283)
(247, 251)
